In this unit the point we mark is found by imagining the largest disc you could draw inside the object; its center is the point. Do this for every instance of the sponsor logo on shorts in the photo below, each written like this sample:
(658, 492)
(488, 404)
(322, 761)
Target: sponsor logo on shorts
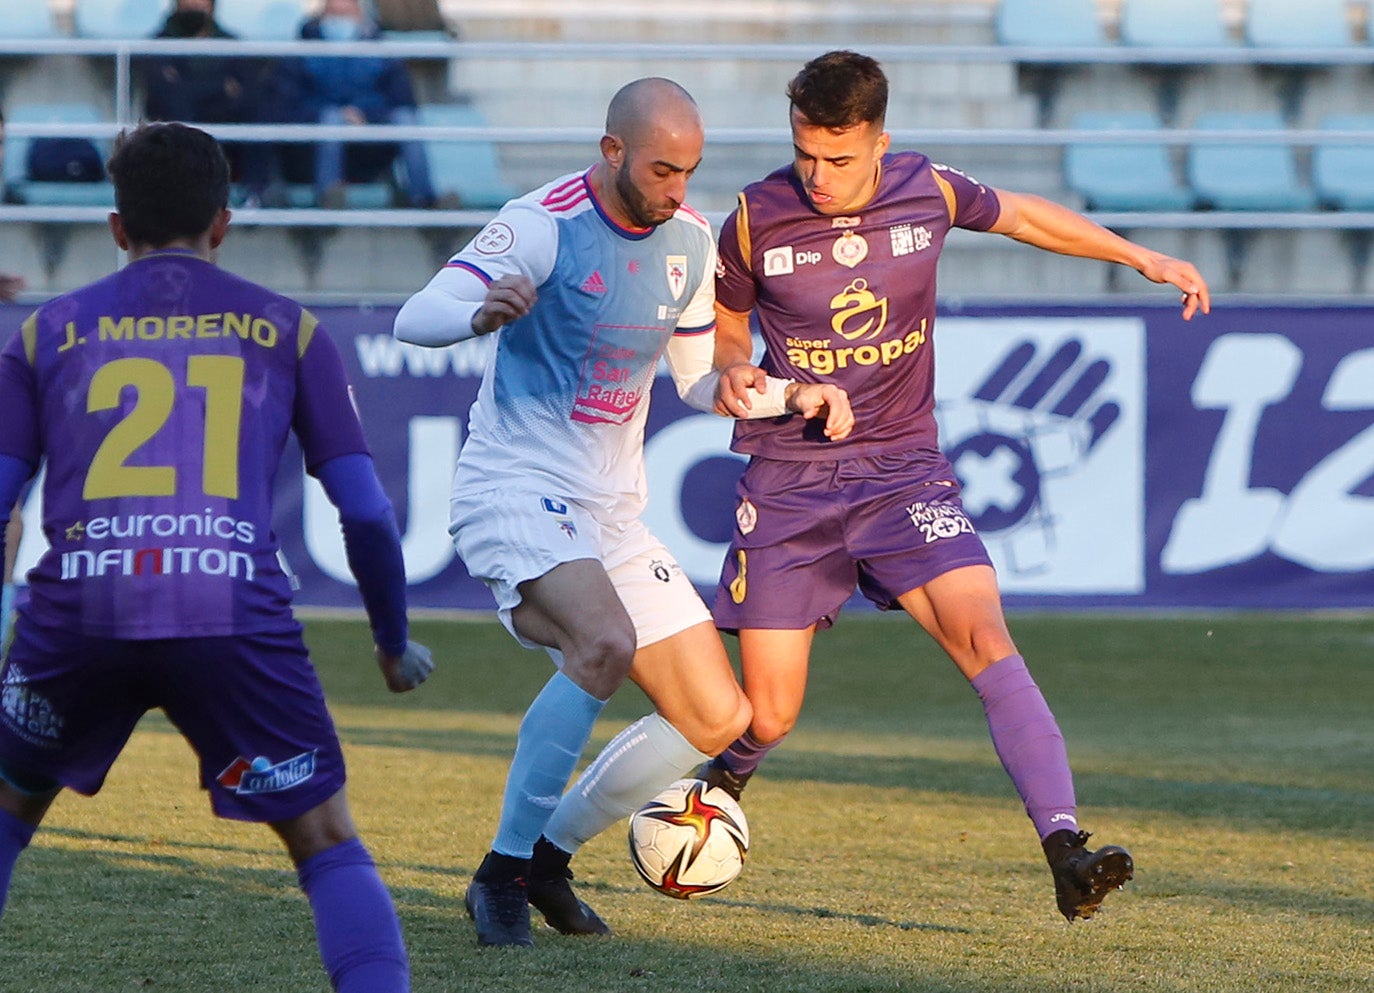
(261, 776)
(746, 516)
(28, 714)
(560, 510)
(939, 520)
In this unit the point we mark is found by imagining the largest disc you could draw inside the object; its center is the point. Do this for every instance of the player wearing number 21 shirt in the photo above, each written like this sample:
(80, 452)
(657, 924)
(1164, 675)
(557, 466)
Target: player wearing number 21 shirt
(160, 400)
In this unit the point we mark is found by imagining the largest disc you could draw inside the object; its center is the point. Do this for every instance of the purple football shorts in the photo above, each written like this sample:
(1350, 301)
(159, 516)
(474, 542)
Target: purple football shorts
(807, 532)
(251, 706)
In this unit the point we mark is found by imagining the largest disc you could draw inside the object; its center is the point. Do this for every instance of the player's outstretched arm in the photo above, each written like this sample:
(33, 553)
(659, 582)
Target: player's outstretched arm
(372, 545)
(1055, 228)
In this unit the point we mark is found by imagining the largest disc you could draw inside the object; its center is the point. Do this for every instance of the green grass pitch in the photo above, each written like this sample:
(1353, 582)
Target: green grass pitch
(1234, 756)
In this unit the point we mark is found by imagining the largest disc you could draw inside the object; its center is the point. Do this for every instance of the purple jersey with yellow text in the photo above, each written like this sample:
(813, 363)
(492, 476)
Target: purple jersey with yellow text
(873, 274)
(172, 386)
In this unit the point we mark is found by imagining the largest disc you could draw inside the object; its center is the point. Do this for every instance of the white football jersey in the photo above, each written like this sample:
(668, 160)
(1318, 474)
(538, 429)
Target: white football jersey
(564, 400)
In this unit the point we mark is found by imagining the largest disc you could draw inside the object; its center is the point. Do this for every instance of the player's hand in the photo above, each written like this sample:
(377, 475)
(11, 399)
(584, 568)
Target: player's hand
(408, 670)
(508, 299)
(823, 400)
(732, 391)
(1163, 269)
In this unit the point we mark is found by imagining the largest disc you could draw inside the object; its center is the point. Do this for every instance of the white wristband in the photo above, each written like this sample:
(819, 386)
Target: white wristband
(773, 401)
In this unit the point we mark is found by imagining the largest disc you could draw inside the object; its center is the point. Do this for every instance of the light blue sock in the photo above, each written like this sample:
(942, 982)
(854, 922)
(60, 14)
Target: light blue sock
(552, 736)
(15, 836)
(355, 921)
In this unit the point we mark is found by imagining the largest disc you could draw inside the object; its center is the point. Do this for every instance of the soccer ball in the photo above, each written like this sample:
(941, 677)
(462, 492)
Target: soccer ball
(689, 840)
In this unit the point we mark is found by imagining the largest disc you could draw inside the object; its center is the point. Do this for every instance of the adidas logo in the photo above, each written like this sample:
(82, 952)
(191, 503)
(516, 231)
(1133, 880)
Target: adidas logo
(594, 283)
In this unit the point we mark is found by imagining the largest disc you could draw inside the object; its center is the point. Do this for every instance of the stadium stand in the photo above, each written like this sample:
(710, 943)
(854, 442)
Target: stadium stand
(1298, 23)
(19, 156)
(1172, 24)
(1123, 176)
(1051, 23)
(118, 18)
(469, 169)
(1343, 174)
(262, 20)
(1245, 175)
(537, 72)
(25, 19)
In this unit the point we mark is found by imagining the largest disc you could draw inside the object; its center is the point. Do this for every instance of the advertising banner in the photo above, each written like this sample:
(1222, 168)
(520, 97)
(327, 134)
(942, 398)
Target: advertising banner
(1111, 456)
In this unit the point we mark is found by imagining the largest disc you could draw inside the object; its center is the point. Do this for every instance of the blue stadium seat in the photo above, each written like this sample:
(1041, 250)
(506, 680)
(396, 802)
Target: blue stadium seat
(1053, 23)
(1123, 176)
(1343, 174)
(468, 168)
(44, 194)
(1297, 23)
(25, 19)
(1171, 24)
(1245, 175)
(118, 18)
(261, 20)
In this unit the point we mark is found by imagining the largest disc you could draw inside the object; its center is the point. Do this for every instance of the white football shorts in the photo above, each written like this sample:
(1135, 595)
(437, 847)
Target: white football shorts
(506, 537)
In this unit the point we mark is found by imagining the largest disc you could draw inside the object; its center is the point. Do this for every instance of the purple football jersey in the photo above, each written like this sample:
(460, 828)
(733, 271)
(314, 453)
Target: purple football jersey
(848, 300)
(161, 398)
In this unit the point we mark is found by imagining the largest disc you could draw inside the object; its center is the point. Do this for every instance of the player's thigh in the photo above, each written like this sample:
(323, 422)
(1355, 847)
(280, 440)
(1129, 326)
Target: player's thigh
(962, 610)
(254, 712)
(548, 551)
(575, 608)
(775, 663)
(68, 704)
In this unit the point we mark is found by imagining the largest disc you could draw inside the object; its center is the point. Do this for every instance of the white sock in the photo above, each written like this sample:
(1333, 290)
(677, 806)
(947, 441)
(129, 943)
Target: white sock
(636, 764)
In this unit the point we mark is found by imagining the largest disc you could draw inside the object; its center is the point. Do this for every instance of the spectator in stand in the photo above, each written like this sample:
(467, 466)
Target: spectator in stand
(352, 91)
(208, 89)
(10, 284)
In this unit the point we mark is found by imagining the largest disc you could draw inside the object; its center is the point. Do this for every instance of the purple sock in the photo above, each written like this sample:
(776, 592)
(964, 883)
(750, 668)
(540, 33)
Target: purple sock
(15, 836)
(744, 756)
(355, 922)
(1028, 742)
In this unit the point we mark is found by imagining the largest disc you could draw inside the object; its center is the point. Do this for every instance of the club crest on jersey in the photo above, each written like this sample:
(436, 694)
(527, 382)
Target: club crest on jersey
(261, 776)
(849, 249)
(676, 267)
(746, 516)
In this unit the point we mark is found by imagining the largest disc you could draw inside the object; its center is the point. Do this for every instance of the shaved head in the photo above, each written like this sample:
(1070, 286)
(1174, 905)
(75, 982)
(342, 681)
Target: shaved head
(651, 147)
(644, 103)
